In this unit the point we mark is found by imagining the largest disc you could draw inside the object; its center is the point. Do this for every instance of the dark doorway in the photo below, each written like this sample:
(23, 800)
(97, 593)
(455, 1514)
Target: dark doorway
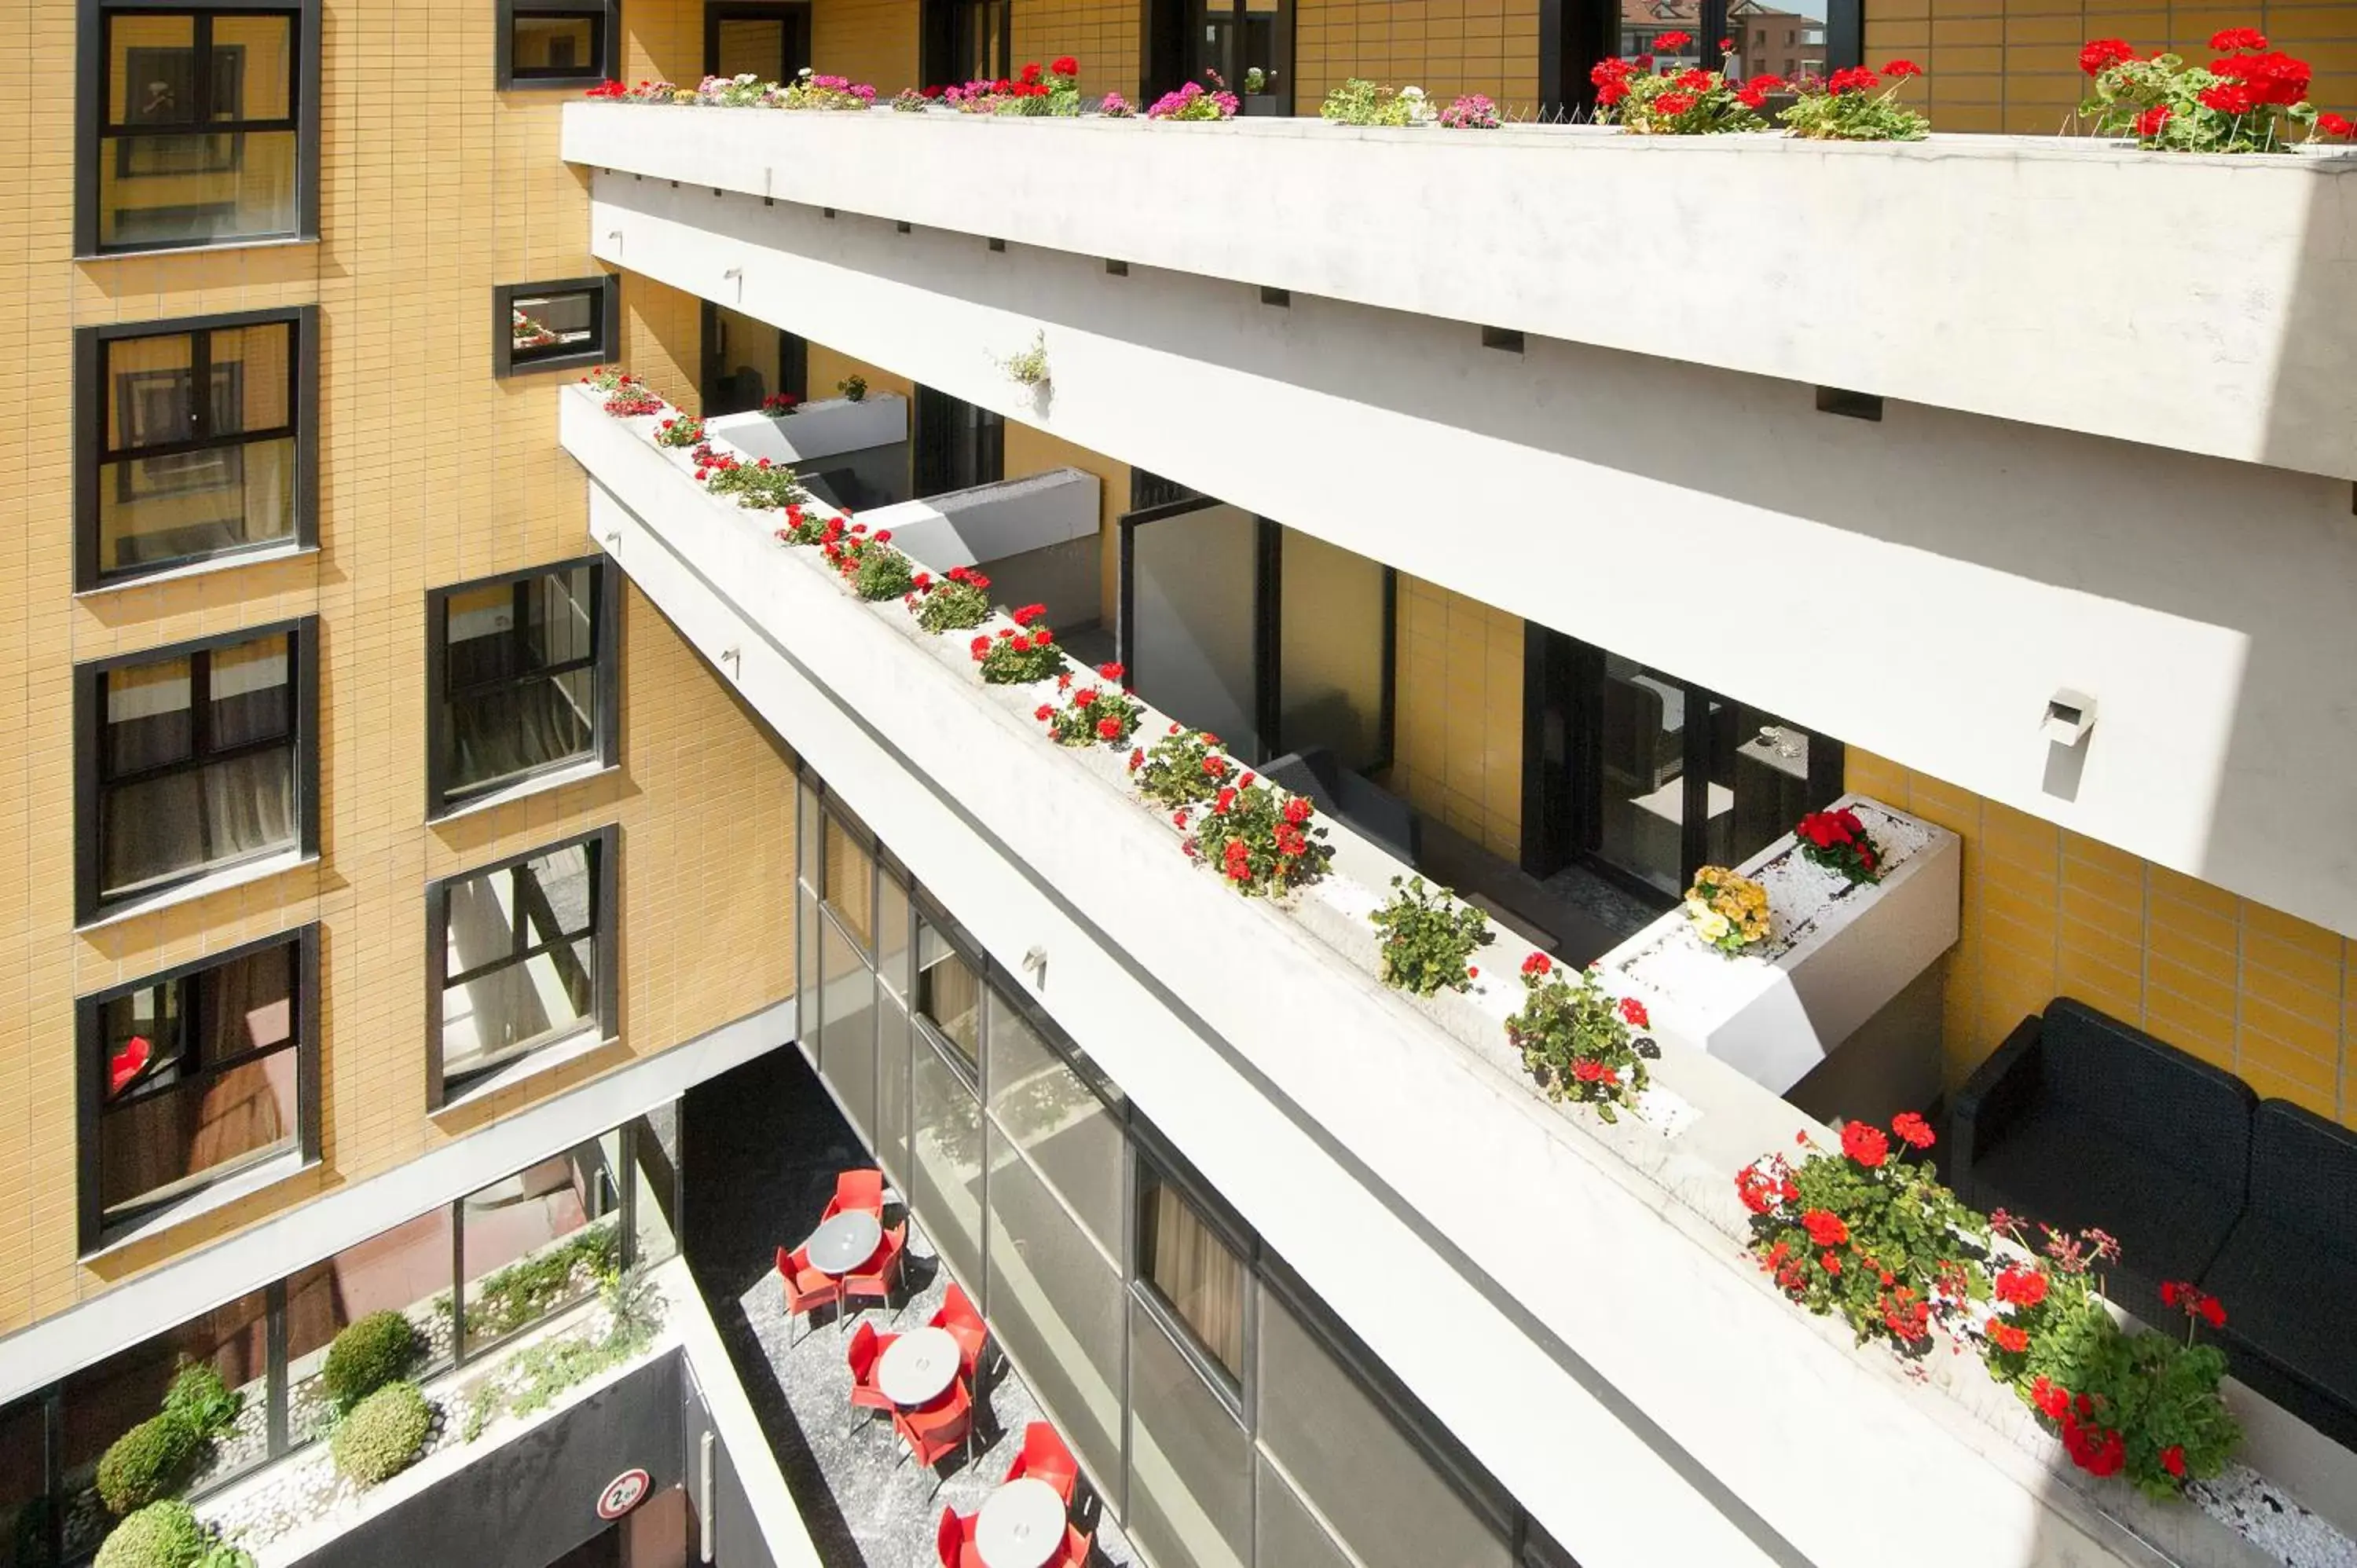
(1572, 36)
(768, 41)
(746, 360)
(966, 40)
(1245, 44)
(955, 446)
(1641, 777)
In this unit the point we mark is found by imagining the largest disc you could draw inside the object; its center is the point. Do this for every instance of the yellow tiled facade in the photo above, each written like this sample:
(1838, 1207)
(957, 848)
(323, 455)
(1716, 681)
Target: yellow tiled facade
(1458, 750)
(1101, 34)
(434, 187)
(1446, 47)
(2050, 913)
(2013, 65)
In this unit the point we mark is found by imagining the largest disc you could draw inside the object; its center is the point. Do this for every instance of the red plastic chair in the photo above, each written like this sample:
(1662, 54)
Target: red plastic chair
(938, 1431)
(866, 1347)
(964, 1325)
(1077, 1547)
(1044, 1457)
(953, 1541)
(856, 1189)
(807, 1287)
(879, 1276)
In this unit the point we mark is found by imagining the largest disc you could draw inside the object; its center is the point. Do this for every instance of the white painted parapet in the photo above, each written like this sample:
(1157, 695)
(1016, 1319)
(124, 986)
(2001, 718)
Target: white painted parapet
(815, 430)
(988, 522)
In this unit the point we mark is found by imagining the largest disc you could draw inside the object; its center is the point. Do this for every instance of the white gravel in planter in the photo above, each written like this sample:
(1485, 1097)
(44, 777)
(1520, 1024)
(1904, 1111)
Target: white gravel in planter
(2242, 1499)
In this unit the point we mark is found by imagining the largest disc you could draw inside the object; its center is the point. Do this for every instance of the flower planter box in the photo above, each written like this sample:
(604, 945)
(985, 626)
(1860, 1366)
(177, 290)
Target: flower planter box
(1836, 956)
(817, 430)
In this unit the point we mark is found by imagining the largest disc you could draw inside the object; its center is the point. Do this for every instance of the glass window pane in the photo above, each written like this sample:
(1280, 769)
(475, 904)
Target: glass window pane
(1051, 1114)
(148, 718)
(251, 692)
(949, 992)
(1776, 772)
(201, 819)
(807, 1000)
(1195, 1271)
(147, 380)
(1378, 1490)
(543, 325)
(155, 512)
(1330, 661)
(252, 67)
(1189, 1465)
(1645, 717)
(521, 956)
(1283, 1530)
(1195, 575)
(555, 44)
(538, 1240)
(104, 1401)
(847, 1038)
(561, 616)
(1056, 1303)
(196, 189)
(519, 698)
(24, 1486)
(850, 887)
(892, 942)
(151, 77)
(252, 373)
(405, 1270)
(893, 1041)
(946, 1163)
(807, 831)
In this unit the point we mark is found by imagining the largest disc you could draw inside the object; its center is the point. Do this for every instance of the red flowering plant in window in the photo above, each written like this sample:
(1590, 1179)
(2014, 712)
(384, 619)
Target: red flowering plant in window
(780, 405)
(2144, 1405)
(1263, 841)
(1690, 103)
(756, 485)
(958, 600)
(643, 92)
(1852, 105)
(1103, 714)
(1575, 1038)
(1195, 102)
(680, 430)
(633, 402)
(2248, 99)
(1020, 653)
(1184, 767)
(1867, 1233)
(1837, 841)
(607, 378)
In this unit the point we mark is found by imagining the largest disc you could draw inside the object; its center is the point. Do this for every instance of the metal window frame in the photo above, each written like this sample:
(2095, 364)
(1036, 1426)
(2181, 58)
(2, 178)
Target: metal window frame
(92, 132)
(793, 14)
(93, 396)
(605, 892)
(606, 287)
(606, 657)
(89, 734)
(607, 65)
(90, 1093)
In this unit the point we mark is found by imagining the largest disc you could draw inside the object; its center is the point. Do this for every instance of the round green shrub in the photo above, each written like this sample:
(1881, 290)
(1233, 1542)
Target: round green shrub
(161, 1535)
(147, 1463)
(368, 1355)
(199, 1397)
(381, 1437)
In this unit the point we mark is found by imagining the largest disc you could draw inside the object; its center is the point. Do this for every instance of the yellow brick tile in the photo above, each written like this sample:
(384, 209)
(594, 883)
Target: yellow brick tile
(2202, 1032)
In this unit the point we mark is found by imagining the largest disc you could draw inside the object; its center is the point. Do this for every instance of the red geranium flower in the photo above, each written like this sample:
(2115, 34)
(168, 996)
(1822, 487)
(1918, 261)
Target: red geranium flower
(1824, 1227)
(2227, 98)
(2104, 53)
(1042, 638)
(2150, 124)
(1588, 1071)
(2213, 1312)
(1670, 43)
(1632, 1012)
(1865, 1143)
(2022, 1287)
(1027, 614)
(1829, 1261)
(1724, 45)
(1110, 729)
(1674, 103)
(2173, 1459)
(1852, 79)
(1912, 1130)
(2006, 1337)
(2052, 1400)
(1064, 65)
(2238, 38)
(1537, 963)
(1694, 79)
(2331, 125)
(1029, 74)
(1900, 70)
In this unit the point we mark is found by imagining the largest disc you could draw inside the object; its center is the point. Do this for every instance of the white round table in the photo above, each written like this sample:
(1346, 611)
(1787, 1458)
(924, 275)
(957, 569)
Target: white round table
(844, 1242)
(1021, 1525)
(916, 1367)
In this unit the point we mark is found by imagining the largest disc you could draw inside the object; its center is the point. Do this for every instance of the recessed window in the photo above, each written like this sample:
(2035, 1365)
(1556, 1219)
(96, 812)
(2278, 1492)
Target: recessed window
(1194, 1271)
(549, 325)
(522, 957)
(199, 126)
(948, 993)
(192, 1076)
(192, 760)
(523, 670)
(556, 43)
(194, 442)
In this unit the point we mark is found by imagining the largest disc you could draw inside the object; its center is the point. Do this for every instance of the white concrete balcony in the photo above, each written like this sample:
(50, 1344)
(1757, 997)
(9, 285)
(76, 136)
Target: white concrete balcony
(2208, 305)
(1547, 1285)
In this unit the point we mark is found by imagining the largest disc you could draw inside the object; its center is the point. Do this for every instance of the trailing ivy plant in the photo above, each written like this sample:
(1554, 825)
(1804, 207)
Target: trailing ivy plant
(1428, 937)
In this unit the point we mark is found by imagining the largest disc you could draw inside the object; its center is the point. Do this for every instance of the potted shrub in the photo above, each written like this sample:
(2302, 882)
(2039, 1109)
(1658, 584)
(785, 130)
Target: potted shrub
(367, 1354)
(1427, 938)
(1575, 1041)
(381, 1435)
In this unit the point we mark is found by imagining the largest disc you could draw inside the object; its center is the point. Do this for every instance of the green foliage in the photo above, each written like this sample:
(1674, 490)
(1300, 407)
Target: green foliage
(1574, 1040)
(1428, 937)
(959, 602)
(381, 1435)
(367, 1355)
(147, 1463)
(680, 431)
(1359, 101)
(755, 485)
(1092, 715)
(1183, 769)
(1849, 112)
(522, 1293)
(199, 1397)
(1694, 102)
(1028, 367)
(854, 388)
(883, 574)
(160, 1535)
(1261, 840)
(2252, 105)
(1017, 658)
(222, 1554)
(534, 1378)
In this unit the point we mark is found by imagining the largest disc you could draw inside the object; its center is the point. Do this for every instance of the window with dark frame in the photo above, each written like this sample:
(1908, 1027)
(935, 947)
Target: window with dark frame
(524, 678)
(1192, 1268)
(551, 326)
(194, 1074)
(521, 958)
(168, 478)
(958, 445)
(192, 760)
(198, 124)
(557, 43)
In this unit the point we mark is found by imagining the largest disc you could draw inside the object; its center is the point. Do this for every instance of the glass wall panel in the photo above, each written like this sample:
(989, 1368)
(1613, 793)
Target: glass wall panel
(893, 1038)
(1194, 579)
(1285, 1533)
(1776, 772)
(949, 992)
(946, 1162)
(103, 1403)
(405, 1270)
(846, 1052)
(1642, 810)
(893, 953)
(534, 1241)
(1192, 1268)
(1189, 1465)
(1334, 605)
(1056, 1303)
(1391, 1505)
(1051, 1114)
(807, 1008)
(850, 885)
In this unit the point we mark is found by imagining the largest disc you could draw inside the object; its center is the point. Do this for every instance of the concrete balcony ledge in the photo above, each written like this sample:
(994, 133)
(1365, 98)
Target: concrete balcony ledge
(2205, 304)
(1148, 961)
